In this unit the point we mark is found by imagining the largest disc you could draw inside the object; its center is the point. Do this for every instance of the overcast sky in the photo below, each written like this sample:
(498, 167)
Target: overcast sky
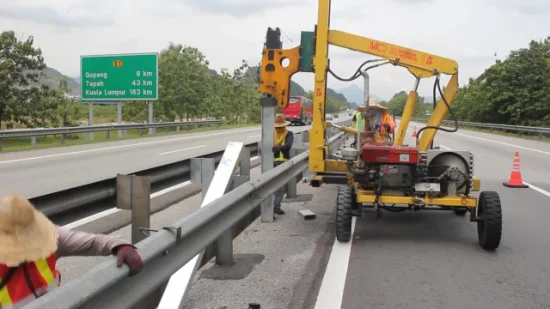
(227, 31)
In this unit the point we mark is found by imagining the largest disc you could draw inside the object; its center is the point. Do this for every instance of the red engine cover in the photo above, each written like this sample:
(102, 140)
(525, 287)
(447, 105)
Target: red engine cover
(373, 153)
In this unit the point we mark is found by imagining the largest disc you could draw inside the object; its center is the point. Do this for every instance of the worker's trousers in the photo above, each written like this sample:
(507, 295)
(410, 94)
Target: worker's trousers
(279, 194)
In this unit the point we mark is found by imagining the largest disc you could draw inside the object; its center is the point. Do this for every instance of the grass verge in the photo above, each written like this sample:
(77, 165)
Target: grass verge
(51, 141)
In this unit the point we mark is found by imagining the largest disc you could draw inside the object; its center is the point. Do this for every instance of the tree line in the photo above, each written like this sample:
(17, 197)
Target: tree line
(513, 91)
(188, 89)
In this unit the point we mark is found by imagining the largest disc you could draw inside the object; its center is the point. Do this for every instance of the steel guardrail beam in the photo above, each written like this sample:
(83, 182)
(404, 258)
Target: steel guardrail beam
(495, 126)
(163, 253)
(100, 128)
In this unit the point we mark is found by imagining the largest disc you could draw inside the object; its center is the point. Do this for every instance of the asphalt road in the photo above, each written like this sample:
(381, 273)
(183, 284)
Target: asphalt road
(433, 260)
(39, 172)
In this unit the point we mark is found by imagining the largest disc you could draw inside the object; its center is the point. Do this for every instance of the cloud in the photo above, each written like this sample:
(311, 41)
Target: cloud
(74, 15)
(242, 8)
(227, 31)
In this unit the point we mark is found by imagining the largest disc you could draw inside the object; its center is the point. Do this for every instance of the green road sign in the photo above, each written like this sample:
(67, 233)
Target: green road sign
(125, 77)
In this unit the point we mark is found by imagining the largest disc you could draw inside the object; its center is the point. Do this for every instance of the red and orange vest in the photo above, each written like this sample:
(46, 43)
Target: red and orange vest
(17, 293)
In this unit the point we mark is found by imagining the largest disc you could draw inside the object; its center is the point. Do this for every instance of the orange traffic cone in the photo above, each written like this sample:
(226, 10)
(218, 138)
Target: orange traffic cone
(515, 180)
(414, 132)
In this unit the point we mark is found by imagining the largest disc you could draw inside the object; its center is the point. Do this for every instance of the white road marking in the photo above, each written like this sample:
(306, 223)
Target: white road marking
(334, 281)
(122, 146)
(445, 147)
(503, 143)
(537, 189)
(180, 150)
(169, 189)
(98, 215)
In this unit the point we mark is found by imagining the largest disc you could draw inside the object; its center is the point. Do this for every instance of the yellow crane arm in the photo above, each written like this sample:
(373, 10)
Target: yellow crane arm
(419, 63)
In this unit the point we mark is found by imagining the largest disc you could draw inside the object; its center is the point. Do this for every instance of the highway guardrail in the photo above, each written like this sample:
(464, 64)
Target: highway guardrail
(33, 133)
(167, 250)
(104, 191)
(494, 126)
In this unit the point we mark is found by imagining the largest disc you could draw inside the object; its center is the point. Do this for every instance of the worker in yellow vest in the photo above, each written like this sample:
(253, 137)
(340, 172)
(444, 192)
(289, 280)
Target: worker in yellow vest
(358, 122)
(281, 153)
(30, 245)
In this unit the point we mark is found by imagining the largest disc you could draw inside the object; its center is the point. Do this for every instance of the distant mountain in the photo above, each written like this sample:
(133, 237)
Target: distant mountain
(52, 77)
(355, 94)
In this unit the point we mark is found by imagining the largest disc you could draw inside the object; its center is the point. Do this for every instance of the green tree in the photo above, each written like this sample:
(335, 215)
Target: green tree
(19, 61)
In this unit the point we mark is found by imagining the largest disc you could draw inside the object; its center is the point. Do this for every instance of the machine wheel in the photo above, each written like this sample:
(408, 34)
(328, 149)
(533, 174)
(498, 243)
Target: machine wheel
(489, 226)
(460, 211)
(343, 213)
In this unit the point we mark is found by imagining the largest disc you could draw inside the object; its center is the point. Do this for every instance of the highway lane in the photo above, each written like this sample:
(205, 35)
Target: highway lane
(40, 172)
(433, 260)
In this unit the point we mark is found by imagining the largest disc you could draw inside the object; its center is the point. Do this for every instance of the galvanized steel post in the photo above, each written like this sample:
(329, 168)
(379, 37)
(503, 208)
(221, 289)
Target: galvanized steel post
(268, 140)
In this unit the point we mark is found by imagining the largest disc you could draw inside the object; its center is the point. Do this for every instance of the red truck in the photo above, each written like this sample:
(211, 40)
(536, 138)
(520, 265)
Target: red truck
(299, 110)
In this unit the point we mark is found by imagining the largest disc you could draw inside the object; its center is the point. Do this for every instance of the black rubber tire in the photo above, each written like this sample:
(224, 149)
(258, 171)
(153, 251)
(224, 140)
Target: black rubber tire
(343, 213)
(489, 227)
(460, 211)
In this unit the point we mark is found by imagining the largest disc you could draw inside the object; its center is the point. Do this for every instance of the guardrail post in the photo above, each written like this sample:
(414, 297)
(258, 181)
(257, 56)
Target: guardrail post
(33, 141)
(151, 130)
(224, 244)
(91, 121)
(119, 118)
(268, 125)
(107, 134)
(133, 193)
(202, 171)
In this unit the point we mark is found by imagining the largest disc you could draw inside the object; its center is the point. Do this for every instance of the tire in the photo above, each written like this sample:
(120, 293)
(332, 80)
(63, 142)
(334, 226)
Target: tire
(343, 213)
(489, 226)
(460, 211)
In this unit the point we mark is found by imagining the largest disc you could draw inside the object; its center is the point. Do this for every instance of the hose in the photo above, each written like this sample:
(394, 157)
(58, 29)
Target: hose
(357, 73)
(438, 87)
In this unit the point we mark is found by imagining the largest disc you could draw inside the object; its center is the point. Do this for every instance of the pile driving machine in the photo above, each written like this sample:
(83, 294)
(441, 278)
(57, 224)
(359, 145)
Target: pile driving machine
(376, 173)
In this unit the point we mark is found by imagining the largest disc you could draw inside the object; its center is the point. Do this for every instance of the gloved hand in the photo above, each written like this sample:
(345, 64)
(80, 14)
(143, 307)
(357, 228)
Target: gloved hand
(127, 254)
(276, 148)
(387, 127)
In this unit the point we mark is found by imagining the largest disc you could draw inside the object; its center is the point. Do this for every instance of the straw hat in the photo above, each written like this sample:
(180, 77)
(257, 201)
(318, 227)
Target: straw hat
(26, 234)
(376, 105)
(280, 121)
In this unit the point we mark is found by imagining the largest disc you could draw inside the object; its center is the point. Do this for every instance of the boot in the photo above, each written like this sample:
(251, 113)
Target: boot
(279, 211)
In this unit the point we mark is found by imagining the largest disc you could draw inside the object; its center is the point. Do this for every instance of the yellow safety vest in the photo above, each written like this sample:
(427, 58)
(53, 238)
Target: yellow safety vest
(359, 122)
(281, 157)
(17, 294)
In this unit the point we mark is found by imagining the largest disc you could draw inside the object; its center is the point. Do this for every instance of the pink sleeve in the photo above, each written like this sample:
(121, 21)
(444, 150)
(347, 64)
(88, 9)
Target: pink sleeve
(73, 243)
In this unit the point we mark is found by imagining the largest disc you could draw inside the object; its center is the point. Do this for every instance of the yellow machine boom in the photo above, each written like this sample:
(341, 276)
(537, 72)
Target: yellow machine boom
(275, 81)
(375, 175)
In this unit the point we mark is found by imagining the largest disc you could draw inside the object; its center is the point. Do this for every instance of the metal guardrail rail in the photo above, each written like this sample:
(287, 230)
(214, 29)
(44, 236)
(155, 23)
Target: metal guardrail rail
(494, 126)
(168, 250)
(99, 128)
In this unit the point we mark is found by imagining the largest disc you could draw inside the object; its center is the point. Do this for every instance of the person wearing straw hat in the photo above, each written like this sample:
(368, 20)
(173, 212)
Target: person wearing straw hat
(380, 119)
(281, 153)
(30, 245)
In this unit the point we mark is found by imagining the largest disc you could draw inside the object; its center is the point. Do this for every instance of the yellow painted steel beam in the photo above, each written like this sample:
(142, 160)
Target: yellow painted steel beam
(320, 65)
(420, 64)
(365, 196)
(408, 111)
(439, 113)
